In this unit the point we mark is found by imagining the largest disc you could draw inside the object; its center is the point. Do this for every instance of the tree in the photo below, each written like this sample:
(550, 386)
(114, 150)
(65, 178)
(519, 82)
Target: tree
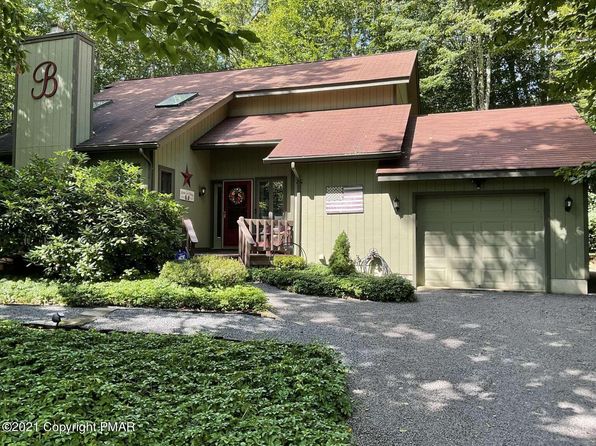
(293, 31)
(340, 262)
(567, 29)
(161, 27)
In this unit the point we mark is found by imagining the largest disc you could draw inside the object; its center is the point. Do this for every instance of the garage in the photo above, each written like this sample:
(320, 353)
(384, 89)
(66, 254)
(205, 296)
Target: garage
(474, 241)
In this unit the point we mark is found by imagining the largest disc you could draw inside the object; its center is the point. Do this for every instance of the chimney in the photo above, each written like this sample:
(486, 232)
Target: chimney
(54, 98)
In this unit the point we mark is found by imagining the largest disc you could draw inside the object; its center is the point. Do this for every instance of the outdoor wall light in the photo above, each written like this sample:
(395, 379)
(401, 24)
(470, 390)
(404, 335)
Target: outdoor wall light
(478, 182)
(202, 191)
(395, 203)
(568, 204)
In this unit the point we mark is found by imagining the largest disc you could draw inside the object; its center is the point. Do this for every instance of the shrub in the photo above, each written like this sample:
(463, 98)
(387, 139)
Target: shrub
(207, 271)
(85, 222)
(340, 262)
(317, 286)
(154, 293)
(289, 262)
(382, 289)
(317, 281)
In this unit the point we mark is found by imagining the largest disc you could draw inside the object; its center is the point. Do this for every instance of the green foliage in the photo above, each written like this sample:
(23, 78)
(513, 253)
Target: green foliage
(154, 293)
(289, 262)
(207, 271)
(586, 173)
(382, 289)
(163, 28)
(12, 32)
(340, 262)
(319, 281)
(86, 222)
(177, 390)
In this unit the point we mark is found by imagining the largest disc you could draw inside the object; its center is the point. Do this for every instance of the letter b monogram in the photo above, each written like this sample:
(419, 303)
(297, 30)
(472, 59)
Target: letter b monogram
(43, 74)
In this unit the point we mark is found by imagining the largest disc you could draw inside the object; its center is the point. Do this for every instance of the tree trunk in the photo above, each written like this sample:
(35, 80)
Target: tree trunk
(481, 75)
(473, 81)
(487, 79)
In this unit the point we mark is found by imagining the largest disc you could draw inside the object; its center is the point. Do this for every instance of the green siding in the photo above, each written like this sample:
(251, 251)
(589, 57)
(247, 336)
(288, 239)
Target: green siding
(84, 92)
(44, 125)
(47, 125)
(326, 100)
(175, 152)
(394, 235)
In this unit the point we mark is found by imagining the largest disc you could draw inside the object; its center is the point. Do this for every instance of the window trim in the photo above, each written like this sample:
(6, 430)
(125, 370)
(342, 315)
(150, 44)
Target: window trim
(257, 195)
(165, 104)
(161, 169)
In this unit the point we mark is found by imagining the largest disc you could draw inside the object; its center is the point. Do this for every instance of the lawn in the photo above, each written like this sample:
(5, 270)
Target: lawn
(177, 390)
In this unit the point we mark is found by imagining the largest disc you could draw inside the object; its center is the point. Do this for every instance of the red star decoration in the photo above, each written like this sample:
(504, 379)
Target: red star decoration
(187, 176)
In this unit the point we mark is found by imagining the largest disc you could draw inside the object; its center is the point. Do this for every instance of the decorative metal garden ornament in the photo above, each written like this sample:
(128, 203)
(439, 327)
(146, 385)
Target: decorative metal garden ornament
(373, 264)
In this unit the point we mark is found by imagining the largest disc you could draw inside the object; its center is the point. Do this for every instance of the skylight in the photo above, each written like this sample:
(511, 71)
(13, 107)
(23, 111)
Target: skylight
(101, 103)
(176, 99)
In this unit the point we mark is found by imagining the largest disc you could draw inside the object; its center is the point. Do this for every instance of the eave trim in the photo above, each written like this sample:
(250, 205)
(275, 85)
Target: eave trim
(330, 87)
(346, 157)
(421, 176)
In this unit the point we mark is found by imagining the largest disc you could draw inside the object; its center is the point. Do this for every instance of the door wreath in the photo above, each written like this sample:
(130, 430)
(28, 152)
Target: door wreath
(236, 196)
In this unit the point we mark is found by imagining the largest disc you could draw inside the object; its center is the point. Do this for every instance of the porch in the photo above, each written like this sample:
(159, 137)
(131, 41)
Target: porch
(261, 239)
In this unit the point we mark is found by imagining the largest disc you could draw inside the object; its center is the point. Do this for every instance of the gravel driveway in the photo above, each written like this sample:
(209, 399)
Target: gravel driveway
(456, 368)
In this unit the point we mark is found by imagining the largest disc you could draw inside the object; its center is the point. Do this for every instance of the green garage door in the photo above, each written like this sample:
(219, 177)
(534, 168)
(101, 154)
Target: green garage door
(489, 241)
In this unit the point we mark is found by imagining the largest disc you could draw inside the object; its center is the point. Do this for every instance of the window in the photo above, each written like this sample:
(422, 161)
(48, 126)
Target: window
(176, 100)
(166, 180)
(271, 197)
(100, 103)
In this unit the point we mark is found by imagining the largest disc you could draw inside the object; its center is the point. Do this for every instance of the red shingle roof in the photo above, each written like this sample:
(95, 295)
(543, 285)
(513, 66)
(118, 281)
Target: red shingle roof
(132, 117)
(515, 138)
(373, 132)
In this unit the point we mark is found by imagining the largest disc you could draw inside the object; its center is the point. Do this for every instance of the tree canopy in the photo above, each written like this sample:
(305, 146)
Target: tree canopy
(473, 54)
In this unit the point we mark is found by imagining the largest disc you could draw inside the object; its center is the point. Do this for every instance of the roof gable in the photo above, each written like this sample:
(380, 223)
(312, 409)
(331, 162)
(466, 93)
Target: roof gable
(538, 137)
(133, 119)
(367, 132)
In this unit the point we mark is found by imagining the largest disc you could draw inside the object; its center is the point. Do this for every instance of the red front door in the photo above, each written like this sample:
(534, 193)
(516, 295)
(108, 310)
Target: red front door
(237, 198)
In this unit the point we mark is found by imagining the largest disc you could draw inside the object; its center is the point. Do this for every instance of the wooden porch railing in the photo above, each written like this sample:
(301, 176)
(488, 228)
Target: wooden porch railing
(264, 236)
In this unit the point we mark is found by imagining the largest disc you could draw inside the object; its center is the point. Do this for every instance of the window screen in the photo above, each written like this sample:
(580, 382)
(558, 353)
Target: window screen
(166, 180)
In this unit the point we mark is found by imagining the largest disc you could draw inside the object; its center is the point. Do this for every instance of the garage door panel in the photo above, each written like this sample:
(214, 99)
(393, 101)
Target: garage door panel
(437, 250)
(523, 252)
(494, 252)
(491, 241)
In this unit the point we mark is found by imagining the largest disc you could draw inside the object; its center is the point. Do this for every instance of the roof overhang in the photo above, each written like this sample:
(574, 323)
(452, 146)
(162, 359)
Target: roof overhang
(422, 176)
(343, 157)
(227, 145)
(322, 88)
(116, 147)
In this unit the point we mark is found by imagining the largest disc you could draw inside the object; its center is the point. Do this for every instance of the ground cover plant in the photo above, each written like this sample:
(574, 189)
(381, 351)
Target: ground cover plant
(318, 280)
(154, 293)
(177, 390)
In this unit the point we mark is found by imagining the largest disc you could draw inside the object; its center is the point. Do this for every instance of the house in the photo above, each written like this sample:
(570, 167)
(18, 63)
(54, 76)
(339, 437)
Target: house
(457, 200)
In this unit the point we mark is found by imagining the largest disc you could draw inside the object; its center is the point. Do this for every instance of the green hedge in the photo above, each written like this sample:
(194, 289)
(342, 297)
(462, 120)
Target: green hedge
(288, 262)
(318, 281)
(205, 271)
(177, 390)
(154, 293)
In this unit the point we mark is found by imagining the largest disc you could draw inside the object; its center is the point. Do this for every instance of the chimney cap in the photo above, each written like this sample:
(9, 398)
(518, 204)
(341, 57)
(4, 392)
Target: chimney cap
(55, 28)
